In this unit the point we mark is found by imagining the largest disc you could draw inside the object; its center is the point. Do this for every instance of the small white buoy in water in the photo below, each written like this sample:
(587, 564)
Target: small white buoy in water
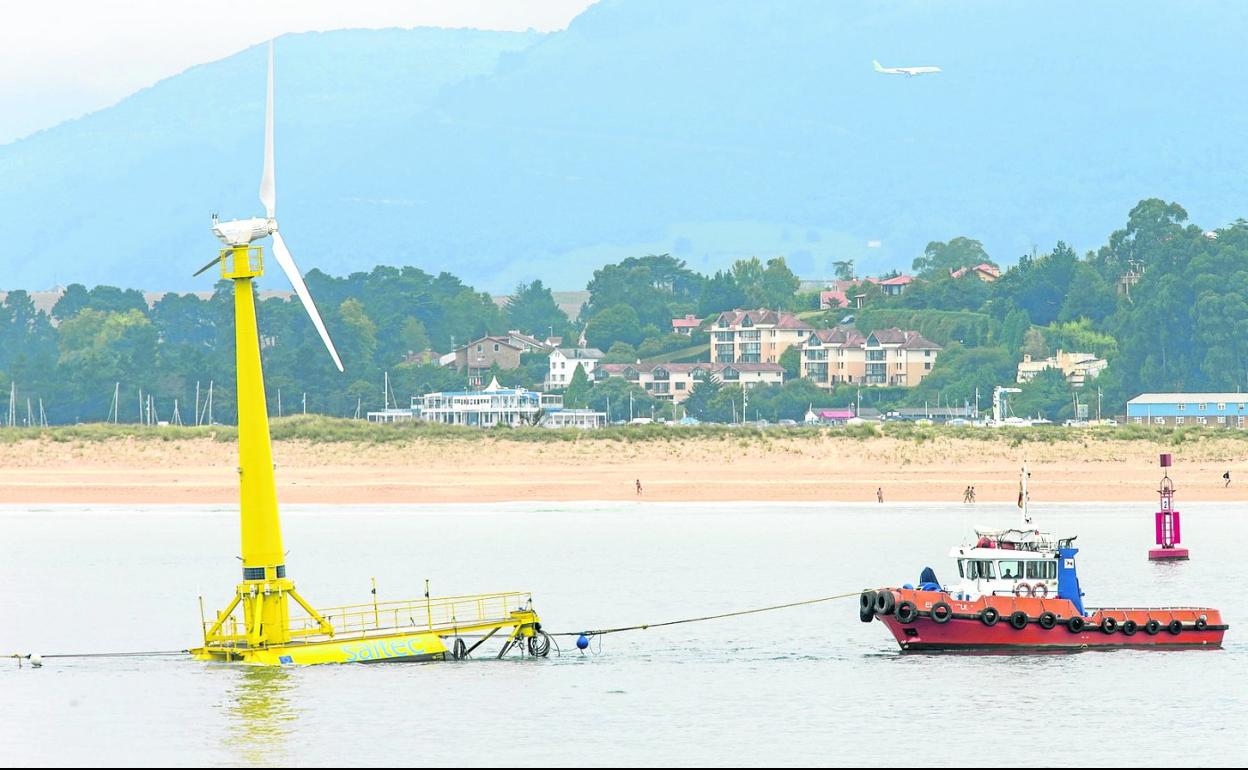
(36, 661)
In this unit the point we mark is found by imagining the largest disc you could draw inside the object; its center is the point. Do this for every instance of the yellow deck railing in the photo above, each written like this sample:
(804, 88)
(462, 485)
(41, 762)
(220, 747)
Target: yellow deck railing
(433, 614)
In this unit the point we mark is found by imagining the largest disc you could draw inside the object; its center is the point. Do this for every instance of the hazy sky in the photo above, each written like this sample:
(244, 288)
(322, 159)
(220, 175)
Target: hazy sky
(62, 58)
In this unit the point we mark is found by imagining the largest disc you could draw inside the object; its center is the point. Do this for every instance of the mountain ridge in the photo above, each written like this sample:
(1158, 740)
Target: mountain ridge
(709, 130)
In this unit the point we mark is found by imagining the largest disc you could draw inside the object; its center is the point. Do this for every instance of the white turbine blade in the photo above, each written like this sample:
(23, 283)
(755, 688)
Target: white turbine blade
(292, 272)
(268, 182)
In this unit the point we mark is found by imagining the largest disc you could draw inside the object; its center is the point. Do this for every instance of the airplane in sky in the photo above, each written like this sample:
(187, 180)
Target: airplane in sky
(907, 71)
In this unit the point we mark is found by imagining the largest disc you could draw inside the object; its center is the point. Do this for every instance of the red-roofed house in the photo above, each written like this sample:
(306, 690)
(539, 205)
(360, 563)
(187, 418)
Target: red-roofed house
(755, 336)
(836, 295)
(686, 325)
(984, 272)
(830, 416)
(830, 299)
(893, 287)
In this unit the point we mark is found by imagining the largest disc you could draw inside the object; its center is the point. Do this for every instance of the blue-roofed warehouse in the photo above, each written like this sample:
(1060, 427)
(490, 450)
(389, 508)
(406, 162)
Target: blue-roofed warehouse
(1223, 410)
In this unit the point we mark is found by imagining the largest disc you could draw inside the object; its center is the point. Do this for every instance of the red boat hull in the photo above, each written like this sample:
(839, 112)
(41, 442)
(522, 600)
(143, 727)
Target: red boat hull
(964, 628)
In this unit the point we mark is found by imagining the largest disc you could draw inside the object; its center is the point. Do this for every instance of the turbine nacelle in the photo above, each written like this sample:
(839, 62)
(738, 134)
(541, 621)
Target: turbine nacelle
(241, 232)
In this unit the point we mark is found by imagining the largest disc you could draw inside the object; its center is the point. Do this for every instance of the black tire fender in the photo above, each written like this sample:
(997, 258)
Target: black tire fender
(989, 616)
(885, 603)
(1019, 620)
(907, 612)
(941, 612)
(866, 606)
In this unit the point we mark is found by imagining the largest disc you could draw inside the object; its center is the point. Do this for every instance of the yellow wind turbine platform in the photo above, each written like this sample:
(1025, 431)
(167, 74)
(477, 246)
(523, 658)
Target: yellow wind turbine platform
(257, 626)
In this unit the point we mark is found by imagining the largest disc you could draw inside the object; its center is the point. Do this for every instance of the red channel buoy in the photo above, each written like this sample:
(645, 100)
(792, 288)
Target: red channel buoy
(1167, 521)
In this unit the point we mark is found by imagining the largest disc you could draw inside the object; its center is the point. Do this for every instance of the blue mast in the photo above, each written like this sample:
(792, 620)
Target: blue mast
(1067, 578)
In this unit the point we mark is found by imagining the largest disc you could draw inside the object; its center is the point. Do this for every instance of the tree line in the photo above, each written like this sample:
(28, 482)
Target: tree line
(1165, 302)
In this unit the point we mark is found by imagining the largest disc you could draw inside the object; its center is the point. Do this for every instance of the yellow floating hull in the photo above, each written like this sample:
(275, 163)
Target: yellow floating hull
(399, 647)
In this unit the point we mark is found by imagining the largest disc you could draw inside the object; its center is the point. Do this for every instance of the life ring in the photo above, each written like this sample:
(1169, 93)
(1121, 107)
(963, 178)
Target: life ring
(1129, 627)
(885, 603)
(1075, 624)
(941, 612)
(1175, 627)
(907, 612)
(1022, 590)
(989, 616)
(1040, 590)
(1108, 625)
(1046, 620)
(1019, 620)
(1152, 627)
(866, 606)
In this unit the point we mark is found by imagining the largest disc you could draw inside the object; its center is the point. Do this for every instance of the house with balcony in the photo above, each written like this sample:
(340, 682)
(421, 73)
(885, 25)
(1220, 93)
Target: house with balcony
(502, 350)
(1077, 368)
(755, 336)
(477, 357)
(674, 382)
(893, 357)
(834, 356)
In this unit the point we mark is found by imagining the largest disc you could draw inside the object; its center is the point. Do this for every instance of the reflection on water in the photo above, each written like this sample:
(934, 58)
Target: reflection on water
(263, 704)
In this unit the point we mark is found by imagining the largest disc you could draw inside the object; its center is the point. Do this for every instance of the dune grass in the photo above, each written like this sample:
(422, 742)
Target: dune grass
(321, 430)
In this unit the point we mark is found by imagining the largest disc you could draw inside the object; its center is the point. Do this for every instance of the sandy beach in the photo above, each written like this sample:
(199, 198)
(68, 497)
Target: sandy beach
(122, 471)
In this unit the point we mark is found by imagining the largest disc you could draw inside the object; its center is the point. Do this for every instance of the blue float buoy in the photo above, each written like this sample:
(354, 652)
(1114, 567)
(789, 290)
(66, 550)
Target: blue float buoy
(582, 642)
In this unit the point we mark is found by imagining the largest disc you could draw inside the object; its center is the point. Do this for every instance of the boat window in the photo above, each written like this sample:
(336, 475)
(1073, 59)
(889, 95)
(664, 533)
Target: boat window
(1011, 570)
(1042, 570)
(979, 570)
(962, 568)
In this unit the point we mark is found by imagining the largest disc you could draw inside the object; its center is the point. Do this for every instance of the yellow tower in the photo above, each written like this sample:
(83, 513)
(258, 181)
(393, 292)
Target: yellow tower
(269, 633)
(265, 588)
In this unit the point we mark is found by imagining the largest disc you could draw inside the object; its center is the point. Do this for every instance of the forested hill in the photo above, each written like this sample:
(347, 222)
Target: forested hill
(709, 129)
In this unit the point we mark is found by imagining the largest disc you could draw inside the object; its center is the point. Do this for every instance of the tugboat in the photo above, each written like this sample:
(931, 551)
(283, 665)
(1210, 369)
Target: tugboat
(1019, 588)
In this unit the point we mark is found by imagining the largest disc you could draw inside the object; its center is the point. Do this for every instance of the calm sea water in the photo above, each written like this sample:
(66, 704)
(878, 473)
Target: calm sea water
(811, 685)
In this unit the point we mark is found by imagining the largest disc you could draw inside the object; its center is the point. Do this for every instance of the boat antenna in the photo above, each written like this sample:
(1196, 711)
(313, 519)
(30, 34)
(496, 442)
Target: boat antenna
(1024, 474)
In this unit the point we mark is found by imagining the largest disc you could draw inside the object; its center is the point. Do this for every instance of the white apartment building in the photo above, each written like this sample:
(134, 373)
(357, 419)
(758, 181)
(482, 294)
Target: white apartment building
(674, 382)
(563, 363)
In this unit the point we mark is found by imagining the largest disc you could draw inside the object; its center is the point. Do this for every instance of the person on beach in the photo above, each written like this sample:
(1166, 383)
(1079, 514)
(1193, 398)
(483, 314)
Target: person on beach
(638, 487)
(966, 494)
(879, 494)
(972, 493)
(1226, 476)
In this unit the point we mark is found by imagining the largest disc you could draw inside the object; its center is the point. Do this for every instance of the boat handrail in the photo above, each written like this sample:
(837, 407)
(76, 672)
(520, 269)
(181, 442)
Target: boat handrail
(1149, 609)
